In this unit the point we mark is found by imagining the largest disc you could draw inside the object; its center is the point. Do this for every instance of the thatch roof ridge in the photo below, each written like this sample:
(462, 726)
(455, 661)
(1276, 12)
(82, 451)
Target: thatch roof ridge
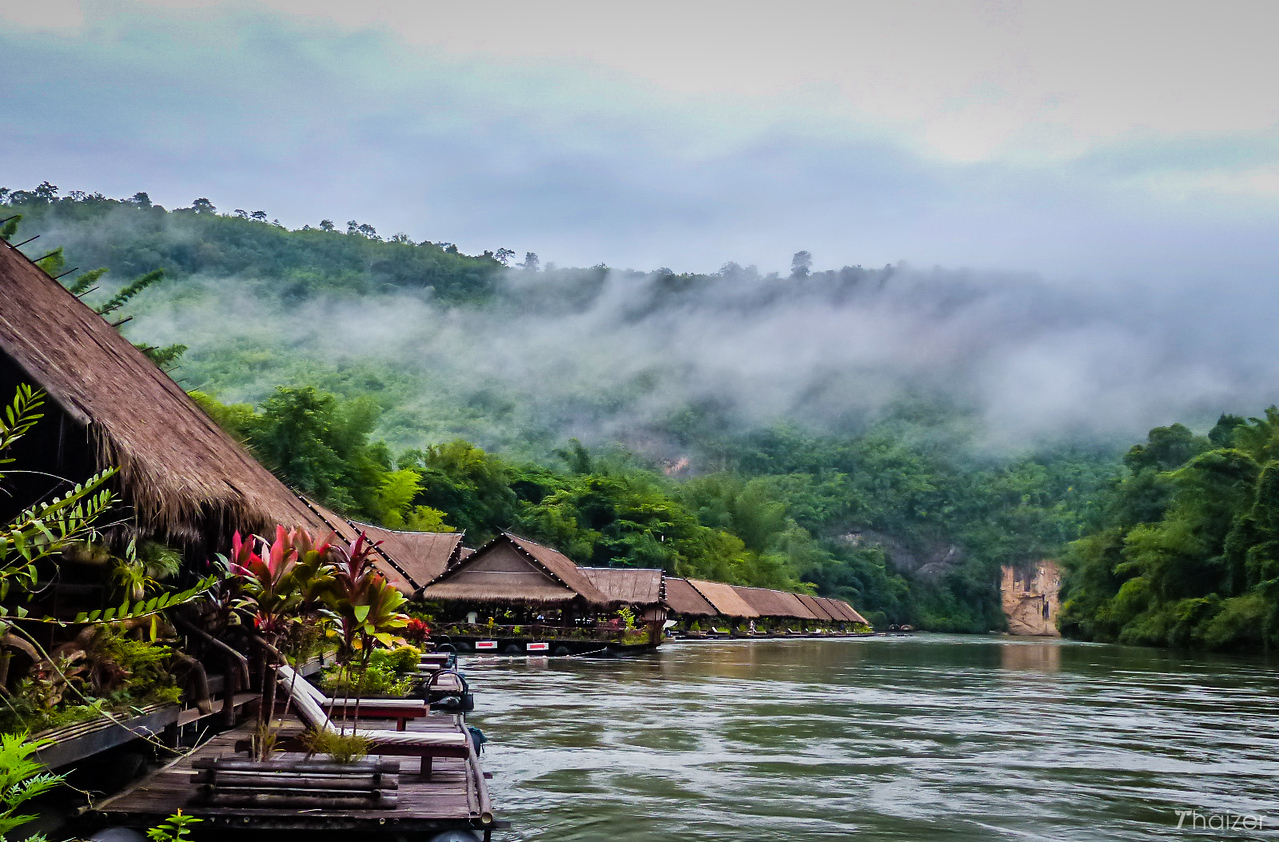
(419, 556)
(682, 598)
(725, 600)
(560, 567)
(347, 531)
(629, 585)
(186, 478)
(565, 580)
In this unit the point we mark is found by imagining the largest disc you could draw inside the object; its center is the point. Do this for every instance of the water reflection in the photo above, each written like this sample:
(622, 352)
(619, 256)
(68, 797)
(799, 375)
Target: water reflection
(1030, 656)
(932, 737)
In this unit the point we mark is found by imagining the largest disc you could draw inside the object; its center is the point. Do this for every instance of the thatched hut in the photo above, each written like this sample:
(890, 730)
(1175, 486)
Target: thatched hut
(850, 614)
(725, 600)
(819, 612)
(684, 602)
(641, 589)
(185, 480)
(516, 572)
(417, 558)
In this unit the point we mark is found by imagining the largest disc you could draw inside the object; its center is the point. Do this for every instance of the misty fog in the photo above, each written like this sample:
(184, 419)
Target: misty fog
(605, 354)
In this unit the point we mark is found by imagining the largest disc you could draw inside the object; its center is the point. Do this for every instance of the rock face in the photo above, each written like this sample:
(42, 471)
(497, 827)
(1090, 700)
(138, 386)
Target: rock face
(1030, 598)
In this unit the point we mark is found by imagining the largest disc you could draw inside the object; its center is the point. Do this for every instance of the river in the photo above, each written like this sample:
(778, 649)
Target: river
(933, 737)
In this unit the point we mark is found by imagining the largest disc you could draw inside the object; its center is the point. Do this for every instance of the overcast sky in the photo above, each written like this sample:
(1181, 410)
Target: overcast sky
(1093, 142)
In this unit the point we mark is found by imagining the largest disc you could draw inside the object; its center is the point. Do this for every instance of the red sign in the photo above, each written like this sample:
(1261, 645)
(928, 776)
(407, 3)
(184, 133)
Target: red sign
(486, 644)
(538, 647)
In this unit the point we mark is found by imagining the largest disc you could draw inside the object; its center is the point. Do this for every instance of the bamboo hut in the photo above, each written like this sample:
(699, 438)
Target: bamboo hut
(185, 481)
(839, 616)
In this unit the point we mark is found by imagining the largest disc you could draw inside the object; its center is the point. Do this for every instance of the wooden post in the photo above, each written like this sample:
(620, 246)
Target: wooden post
(230, 687)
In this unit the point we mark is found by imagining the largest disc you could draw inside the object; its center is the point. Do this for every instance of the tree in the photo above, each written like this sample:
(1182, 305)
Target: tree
(503, 255)
(801, 264)
(326, 225)
(140, 199)
(531, 262)
(321, 446)
(258, 216)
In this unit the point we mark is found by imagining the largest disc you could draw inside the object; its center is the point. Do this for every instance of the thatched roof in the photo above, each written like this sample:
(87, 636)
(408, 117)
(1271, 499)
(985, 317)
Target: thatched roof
(514, 570)
(348, 530)
(850, 613)
(839, 612)
(186, 478)
(725, 600)
(796, 606)
(420, 556)
(627, 585)
(811, 603)
(767, 603)
(684, 599)
(773, 603)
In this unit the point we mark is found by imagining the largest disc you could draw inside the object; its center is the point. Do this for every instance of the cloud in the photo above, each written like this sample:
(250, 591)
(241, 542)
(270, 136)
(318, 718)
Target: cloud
(1081, 142)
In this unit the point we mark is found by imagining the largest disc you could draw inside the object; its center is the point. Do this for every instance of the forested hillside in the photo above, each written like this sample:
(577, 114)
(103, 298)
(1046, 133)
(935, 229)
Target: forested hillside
(835, 430)
(1185, 547)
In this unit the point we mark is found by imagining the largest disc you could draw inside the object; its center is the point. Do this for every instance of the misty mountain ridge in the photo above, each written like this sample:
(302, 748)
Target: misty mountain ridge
(458, 345)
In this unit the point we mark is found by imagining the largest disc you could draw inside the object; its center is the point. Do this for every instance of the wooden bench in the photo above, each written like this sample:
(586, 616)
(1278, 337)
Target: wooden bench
(235, 782)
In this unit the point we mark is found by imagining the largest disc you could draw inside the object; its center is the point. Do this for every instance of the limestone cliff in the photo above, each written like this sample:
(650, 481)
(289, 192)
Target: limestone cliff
(1030, 598)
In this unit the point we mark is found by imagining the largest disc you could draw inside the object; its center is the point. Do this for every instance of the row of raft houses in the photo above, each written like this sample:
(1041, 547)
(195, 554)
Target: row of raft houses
(517, 596)
(184, 482)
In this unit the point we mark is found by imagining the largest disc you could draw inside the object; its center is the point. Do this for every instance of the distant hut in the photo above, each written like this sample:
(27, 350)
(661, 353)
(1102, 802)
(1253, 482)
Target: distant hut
(821, 616)
(387, 548)
(781, 611)
(640, 589)
(418, 558)
(687, 606)
(517, 575)
(726, 601)
(183, 479)
(850, 613)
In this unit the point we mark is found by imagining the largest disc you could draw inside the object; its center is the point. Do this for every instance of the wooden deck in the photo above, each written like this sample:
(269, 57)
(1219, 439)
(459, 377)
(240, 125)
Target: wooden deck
(454, 797)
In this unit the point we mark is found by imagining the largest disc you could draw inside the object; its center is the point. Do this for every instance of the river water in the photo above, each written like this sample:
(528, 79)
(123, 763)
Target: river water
(932, 737)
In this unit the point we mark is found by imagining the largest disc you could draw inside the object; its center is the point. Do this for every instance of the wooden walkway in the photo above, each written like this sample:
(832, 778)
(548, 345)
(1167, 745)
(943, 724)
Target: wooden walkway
(454, 797)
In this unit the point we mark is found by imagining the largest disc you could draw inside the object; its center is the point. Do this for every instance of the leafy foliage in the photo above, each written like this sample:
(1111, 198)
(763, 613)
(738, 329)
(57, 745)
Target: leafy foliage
(173, 829)
(1183, 552)
(22, 778)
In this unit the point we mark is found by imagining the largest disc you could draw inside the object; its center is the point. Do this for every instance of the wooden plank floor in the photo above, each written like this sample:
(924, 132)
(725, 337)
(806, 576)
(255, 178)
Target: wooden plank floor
(449, 799)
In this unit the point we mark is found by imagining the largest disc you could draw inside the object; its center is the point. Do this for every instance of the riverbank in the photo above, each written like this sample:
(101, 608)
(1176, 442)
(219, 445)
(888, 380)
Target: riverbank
(922, 737)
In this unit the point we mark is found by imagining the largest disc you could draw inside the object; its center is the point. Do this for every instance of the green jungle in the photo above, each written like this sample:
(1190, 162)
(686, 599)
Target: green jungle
(412, 385)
